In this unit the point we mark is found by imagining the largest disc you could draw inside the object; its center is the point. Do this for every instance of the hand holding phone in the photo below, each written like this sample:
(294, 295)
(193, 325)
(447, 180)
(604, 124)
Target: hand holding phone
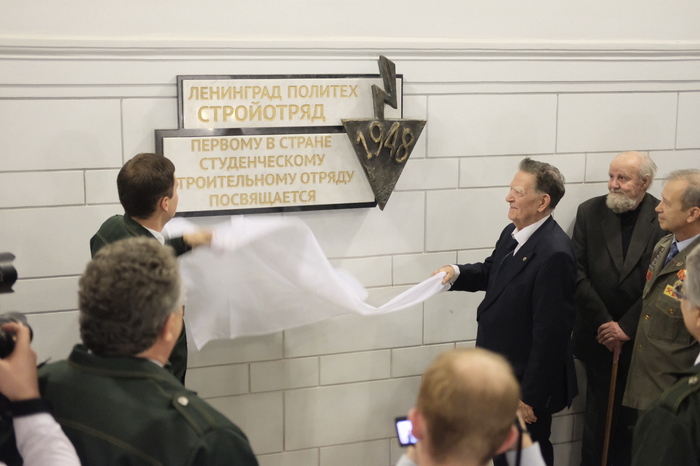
(403, 431)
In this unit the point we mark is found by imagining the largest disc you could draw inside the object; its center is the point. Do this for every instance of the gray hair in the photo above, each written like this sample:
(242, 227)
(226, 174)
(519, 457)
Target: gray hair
(647, 167)
(691, 195)
(126, 294)
(548, 179)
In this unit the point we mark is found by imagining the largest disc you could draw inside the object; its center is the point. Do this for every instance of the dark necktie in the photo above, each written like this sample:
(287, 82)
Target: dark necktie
(509, 256)
(671, 253)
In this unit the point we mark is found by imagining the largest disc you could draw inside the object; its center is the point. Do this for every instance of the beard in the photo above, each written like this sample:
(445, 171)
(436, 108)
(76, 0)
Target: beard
(619, 202)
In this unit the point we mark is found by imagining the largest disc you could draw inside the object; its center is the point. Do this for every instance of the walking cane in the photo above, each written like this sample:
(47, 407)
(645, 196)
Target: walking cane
(611, 402)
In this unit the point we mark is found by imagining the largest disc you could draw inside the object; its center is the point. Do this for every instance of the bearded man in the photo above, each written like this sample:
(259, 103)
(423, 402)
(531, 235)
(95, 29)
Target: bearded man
(614, 237)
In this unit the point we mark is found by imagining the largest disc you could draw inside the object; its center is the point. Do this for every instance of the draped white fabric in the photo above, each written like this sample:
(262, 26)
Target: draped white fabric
(265, 274)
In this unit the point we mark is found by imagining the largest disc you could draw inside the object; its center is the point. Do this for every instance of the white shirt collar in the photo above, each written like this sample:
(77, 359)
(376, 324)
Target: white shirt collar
(158, 235)
(521, 236)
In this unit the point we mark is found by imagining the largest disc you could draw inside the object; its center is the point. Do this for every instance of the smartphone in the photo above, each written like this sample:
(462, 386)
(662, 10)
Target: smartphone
(403, 431)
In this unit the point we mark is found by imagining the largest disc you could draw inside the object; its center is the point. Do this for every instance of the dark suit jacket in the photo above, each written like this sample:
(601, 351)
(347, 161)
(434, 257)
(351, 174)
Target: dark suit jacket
(528, 312)
(610, 288)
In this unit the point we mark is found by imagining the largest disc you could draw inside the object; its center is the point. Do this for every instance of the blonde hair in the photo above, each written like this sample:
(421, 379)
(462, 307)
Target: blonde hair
(468, 398)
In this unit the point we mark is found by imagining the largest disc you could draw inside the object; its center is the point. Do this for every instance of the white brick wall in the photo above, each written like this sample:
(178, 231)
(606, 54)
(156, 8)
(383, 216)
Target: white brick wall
(72, 110)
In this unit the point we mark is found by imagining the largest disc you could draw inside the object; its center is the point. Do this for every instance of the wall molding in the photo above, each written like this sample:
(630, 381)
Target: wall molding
(426, 49)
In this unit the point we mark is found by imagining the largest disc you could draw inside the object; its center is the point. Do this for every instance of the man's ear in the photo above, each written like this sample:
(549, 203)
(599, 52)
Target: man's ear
(509, 441)
(164, 203)
(544, 203)
(418, 424)
(694, 214)
(167, 332)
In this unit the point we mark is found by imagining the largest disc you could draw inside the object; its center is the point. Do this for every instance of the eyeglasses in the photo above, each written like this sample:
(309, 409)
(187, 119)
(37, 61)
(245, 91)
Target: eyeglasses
(678, 291)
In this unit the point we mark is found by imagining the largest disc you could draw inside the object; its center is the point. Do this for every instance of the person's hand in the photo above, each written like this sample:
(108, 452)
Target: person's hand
(526, 412)
(449, 273)
(611, 335)
(198, 238)
(525, 435)
(18, 377)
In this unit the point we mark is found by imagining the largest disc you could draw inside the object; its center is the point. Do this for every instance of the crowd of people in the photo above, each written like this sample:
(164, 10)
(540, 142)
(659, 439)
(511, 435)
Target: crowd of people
(627, 286)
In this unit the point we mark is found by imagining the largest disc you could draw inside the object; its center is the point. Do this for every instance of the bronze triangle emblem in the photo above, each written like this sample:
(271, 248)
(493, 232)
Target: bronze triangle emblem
(383, 146)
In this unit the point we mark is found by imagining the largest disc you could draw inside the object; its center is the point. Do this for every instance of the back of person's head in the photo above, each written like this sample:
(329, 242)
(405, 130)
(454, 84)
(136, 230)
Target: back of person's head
(468, 399)
(126, 294)
(548, 179)
(143, 181)
(691, 195)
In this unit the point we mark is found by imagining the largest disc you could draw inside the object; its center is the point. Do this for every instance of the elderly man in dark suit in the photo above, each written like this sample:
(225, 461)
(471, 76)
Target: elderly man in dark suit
(614, 237)
(528, 312)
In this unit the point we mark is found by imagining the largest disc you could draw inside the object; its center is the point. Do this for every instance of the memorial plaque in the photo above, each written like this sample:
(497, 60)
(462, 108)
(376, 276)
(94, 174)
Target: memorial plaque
(229, 172)
(272, 143)
(282, 101)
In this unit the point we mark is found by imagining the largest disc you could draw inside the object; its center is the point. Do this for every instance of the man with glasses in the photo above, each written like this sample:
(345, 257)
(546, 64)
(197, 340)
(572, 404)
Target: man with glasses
(528, 311)
(667, 432)
(663, 345)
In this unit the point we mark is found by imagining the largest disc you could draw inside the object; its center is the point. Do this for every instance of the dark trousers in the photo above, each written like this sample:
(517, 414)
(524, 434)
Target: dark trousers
(598, 373)
(539, 432)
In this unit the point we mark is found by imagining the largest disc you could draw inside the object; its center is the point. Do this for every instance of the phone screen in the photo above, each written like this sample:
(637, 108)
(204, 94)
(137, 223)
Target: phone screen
(403, 431)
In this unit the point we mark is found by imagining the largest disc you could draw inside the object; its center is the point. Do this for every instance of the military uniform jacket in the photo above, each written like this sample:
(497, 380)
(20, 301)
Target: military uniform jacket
(668, 432)
(121, 227)
(130, 411)
(663, 345)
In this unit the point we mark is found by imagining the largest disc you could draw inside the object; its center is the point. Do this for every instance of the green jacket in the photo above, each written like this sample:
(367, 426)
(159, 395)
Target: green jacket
(662, 345)
(122, 227)
(668, 432)
(130, 411)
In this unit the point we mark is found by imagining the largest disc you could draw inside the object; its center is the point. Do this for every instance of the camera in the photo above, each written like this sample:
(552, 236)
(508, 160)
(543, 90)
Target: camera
(8, 274)
(7, 339)
(403, 431)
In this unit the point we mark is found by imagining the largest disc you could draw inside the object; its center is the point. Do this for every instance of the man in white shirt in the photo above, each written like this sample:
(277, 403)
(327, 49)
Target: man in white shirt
(39, 439)
(528, 312)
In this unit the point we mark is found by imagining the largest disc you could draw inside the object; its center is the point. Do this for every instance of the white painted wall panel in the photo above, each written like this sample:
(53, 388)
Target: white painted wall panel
(51, 241)
(60, 134)
(41, 189)
(376, 452)
(284, 374)
(330, 421)
(141, 117)
(472, 125)
(260, 416)
(355, 367)
(688, 134)
(616, 122)
(215, 381)
(101, 188)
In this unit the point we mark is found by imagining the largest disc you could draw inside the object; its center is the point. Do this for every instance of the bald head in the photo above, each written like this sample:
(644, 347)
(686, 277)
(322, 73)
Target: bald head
(630, 175)
(468, 399)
